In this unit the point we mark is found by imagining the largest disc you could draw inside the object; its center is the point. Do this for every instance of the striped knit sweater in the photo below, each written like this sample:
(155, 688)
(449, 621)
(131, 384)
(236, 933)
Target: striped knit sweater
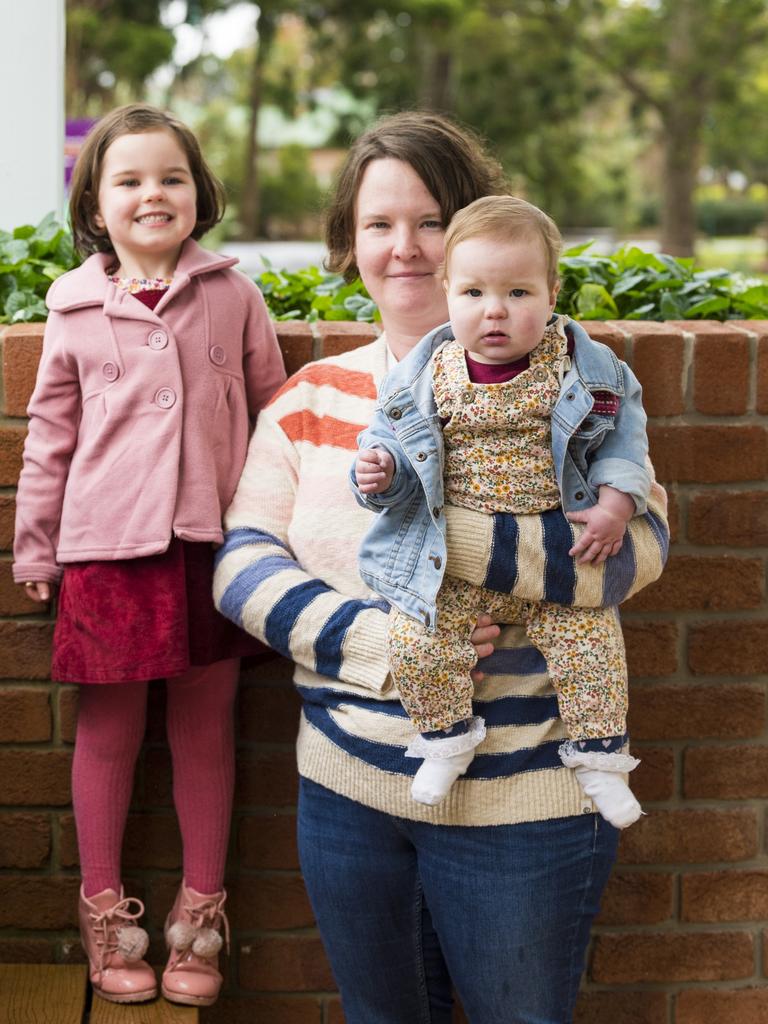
(288, 573)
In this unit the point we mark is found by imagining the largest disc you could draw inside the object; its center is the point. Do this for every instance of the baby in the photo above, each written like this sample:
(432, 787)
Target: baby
(508, 408)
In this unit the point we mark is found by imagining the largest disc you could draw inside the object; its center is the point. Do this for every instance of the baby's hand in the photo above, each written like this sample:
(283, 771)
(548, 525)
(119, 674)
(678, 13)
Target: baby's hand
(374, 469)
(604, 526)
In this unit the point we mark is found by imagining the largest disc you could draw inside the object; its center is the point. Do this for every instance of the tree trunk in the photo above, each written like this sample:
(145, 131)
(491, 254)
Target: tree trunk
(436, 92)
(250, 207)
(681, 164)
(683, 119)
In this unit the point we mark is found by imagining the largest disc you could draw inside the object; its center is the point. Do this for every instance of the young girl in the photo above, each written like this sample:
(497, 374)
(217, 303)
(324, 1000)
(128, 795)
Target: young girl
(155, 355)
(506, 409)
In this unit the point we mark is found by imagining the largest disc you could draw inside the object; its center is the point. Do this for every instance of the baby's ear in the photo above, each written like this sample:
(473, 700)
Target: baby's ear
(553, 294)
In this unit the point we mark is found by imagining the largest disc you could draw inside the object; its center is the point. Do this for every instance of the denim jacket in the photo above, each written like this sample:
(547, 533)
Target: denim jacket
(403, 554)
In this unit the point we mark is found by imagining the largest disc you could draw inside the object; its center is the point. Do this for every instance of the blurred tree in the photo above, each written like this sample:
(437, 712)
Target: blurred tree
(679, 60)
(512, 70)
(113, 46)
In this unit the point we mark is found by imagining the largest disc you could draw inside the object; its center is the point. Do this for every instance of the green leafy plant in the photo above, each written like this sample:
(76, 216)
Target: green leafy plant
(30, 258)
(314, 294)
(629, 285)
(636, 285)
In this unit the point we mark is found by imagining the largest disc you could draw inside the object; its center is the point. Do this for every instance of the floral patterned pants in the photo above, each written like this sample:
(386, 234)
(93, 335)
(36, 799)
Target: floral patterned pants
(583, 647)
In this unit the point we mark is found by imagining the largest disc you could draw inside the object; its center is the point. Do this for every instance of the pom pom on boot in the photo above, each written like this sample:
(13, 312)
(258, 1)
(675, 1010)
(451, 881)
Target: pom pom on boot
(132, 944)
(192, 932)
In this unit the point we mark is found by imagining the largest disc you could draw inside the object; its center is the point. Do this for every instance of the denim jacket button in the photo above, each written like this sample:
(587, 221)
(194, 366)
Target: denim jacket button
(570, 396)
(438, 561)
(427, 619)
(579, 495)
(395, 414)
(421, 456)
(436, 512)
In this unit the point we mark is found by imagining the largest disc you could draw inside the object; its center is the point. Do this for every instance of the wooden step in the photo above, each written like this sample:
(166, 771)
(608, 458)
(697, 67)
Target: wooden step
(58, 994)
(42, 993)
(156, 1012)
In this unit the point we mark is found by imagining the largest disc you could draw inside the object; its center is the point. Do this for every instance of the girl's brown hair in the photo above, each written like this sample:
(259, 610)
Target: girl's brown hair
(133, 119)
(449, 159)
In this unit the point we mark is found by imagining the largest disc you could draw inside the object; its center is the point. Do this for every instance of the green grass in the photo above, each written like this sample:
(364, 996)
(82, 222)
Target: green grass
(745, 253)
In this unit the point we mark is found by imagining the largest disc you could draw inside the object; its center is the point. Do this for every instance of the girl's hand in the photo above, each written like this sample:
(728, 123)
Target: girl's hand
(483, 635)
(374, 469)
(39, 592)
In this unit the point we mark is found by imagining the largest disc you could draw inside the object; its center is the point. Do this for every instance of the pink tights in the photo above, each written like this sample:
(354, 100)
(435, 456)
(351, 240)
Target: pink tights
(110, 729)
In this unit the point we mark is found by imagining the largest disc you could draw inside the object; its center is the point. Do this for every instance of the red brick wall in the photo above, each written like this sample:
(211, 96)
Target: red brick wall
(683, 934)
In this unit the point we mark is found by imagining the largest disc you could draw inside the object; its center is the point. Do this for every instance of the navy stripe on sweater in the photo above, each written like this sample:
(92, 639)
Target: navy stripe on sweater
(330, 639)
(501, 712)
(390, 758)
(502, 564)
(560, 571)
(619, 572)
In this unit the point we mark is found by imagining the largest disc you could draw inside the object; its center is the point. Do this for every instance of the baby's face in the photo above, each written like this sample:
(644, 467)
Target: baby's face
(499, 299)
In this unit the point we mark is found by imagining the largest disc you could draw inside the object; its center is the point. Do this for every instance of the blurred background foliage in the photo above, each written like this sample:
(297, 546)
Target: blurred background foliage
(632, 116)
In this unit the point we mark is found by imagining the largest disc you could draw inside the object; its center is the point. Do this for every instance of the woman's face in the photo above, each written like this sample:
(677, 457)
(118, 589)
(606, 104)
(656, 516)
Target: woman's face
(399, 244)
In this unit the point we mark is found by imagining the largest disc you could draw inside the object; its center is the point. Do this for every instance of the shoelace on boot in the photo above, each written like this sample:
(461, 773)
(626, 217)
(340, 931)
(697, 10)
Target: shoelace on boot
(107, 924)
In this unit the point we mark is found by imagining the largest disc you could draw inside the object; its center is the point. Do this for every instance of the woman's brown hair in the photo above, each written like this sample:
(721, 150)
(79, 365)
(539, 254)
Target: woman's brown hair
(133, 119)
(449, 159)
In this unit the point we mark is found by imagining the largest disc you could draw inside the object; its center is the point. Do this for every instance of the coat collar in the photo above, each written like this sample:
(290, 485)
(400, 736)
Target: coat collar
(88, 285)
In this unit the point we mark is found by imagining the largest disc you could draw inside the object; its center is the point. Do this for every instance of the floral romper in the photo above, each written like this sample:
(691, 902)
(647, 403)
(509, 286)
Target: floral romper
(498, 458)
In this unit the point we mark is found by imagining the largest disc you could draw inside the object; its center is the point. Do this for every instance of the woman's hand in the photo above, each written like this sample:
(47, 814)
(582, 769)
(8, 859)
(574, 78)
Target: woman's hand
(483, 635)
(39, 591)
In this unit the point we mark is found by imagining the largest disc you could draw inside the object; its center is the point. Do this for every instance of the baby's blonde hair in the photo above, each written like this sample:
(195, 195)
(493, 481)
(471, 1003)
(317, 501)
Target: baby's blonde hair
(504, 218)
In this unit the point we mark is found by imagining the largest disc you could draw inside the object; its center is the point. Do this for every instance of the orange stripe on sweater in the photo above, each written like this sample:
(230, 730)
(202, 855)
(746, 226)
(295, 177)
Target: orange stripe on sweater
(350, 382)
(321, 430)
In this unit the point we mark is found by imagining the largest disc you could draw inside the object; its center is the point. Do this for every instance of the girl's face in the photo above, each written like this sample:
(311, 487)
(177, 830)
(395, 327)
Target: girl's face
(399, 244)
(147, 201)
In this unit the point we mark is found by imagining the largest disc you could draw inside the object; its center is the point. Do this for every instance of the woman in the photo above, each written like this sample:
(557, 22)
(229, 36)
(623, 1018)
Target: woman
(495, 889)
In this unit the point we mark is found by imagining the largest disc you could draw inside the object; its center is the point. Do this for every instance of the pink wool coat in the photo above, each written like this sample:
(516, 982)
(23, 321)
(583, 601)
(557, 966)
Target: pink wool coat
(139, 420)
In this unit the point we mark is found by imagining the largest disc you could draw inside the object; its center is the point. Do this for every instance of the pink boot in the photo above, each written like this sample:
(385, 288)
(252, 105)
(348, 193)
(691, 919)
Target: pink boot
(192, 933)
(115, 946)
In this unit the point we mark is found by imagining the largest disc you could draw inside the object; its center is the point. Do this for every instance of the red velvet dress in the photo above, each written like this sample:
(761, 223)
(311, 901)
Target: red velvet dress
(143, 618)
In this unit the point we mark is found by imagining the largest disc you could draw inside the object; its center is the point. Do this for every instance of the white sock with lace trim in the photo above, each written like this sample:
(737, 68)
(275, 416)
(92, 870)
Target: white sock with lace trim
(612, 796)
(434, 779)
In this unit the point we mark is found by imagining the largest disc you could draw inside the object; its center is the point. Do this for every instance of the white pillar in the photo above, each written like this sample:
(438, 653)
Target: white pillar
(31, 111)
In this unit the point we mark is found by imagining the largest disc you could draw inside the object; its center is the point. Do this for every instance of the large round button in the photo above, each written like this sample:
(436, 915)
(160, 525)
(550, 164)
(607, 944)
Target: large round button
(539, 373)
(218, 355)
(165, 398)
(579, 495)
(395, 414)
(421, 456)
(110, 371)
(157, 339)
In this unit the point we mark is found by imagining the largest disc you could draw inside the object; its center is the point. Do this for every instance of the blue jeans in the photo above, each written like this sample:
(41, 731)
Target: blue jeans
(406, 908)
